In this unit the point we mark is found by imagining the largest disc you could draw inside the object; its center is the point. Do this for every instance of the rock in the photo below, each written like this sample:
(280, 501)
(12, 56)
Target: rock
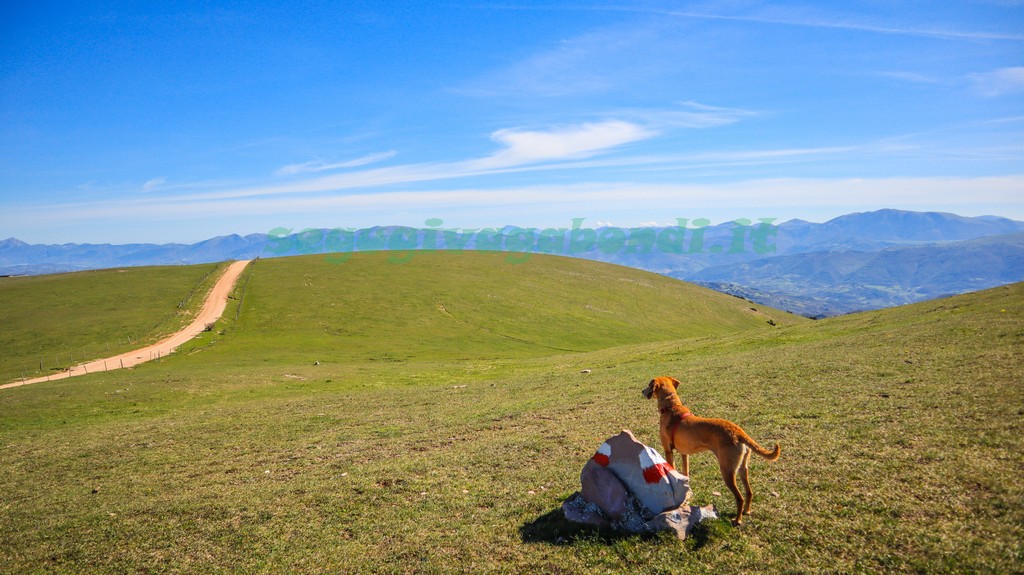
(681, 521)
(698, 514)
(676, 520)
(644, 472)
(579, 510)
(629, 487)
(602, 488)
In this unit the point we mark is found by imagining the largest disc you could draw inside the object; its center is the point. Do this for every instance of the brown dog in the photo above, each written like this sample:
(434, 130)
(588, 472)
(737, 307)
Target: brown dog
(689, 434)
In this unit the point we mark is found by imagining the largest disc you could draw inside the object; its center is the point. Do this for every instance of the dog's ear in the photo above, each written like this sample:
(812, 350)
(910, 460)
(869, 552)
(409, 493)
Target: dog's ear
(675, 382)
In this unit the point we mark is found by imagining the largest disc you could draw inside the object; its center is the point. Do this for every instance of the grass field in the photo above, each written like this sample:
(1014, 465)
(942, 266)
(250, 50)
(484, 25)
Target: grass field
(450, 447)
(465, 305)
(54, 321)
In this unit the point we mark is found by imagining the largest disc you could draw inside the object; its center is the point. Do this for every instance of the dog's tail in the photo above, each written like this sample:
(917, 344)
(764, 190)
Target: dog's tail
(756, 448)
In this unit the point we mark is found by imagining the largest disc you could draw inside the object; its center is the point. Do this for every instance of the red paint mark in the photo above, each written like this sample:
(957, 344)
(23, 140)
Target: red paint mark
(656, 472)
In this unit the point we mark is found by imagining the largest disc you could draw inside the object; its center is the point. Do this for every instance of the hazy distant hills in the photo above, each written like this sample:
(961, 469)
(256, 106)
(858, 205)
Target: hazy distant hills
(834, 282)
(873, 260)
(870, 231)
(20, 258)
(854, 262)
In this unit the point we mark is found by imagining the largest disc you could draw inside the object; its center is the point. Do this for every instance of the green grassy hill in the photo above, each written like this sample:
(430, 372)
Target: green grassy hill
(901, 434)
(463, 305)
(62, 319)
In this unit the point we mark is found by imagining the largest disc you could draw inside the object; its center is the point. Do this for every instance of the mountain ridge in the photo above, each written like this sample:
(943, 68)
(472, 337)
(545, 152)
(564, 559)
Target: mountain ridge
(739, 257)
(832, 283)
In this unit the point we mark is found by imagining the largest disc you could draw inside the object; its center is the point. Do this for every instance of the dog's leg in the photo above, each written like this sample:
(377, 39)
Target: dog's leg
(669, 457)
(745, 476)
(686, 465)
(729, 464)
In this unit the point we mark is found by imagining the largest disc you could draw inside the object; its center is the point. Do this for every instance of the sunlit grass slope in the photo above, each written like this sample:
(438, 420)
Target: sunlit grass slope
(56, 320)
(900, 429)
(458, 305)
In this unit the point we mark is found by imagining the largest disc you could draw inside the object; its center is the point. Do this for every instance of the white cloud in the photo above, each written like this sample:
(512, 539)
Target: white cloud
(912, 77)
(573, 142)
(592, 62)
(1001, 82)
(321, 166)
(687, 114)
(570, 148)
(806, 18)
(151, 185)
(790, 195)
(566, 147)
(522, 150)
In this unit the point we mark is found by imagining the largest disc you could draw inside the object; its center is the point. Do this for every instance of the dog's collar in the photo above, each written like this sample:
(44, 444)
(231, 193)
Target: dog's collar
(682, 416)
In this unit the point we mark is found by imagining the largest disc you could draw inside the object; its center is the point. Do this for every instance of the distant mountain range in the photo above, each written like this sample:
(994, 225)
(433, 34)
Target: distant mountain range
(854, 262)
(820, 284)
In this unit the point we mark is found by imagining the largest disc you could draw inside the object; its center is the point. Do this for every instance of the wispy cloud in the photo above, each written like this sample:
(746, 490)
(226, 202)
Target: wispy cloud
(912, 77)
(809, 19)
(585, 198)
(321, 166)
(152, 184)
(593, 62)
(320, 195)
(521, 150)
(688, 114)
(583, 147)
(1001, 82)
(529, 146)
(588, 148)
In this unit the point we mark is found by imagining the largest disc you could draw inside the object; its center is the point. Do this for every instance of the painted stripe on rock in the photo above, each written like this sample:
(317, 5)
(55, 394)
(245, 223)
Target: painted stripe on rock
(603, 454)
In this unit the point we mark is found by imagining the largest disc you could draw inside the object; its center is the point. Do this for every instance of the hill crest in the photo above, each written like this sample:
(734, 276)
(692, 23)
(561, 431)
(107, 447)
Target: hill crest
(455, 305)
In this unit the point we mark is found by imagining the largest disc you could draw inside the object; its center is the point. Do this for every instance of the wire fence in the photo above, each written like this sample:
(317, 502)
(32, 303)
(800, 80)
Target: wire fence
(66, 358)
(241, 295)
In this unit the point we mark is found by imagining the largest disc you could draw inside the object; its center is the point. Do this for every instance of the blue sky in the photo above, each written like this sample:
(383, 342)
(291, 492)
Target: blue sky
(182, 121)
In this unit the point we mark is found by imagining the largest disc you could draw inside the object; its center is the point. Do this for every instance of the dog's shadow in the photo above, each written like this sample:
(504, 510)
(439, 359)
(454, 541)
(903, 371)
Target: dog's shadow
(553, 528)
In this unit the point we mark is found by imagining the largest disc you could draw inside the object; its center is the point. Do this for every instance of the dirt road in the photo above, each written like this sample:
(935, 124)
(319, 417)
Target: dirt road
(212, 309)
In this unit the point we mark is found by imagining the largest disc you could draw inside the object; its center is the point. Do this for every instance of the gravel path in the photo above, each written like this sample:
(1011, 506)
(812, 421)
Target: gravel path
(213, 307)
